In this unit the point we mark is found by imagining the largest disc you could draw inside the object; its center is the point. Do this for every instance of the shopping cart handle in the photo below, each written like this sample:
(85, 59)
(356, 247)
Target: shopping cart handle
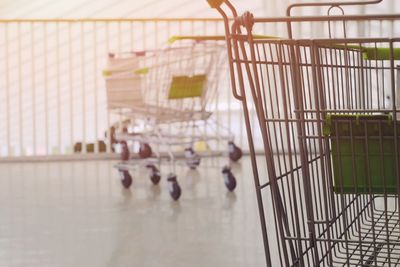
(215, 3)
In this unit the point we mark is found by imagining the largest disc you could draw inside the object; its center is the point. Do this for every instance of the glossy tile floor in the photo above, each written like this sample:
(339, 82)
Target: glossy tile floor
(77, 214)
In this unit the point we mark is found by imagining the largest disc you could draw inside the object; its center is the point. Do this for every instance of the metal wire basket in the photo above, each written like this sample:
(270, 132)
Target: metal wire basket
(327, 113)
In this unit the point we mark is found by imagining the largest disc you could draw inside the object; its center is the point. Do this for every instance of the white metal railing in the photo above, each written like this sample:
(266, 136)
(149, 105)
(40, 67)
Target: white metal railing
(52, 92)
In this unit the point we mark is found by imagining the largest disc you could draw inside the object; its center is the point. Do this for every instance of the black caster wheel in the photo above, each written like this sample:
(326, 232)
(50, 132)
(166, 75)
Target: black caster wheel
(192, 158)
(126, 178)
(229, 179)
(124, 151)
(235, 153)
(173, 187)
(155, 175)
(145, 151)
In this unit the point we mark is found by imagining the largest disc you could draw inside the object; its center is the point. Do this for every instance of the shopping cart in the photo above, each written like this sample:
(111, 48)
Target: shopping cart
(328, 118)
(166, 98)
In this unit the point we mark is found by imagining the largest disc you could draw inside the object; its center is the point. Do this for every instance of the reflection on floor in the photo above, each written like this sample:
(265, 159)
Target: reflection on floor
(77, 214)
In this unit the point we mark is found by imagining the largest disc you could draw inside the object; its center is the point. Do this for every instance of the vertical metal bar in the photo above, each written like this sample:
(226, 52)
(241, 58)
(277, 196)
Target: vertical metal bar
(271, 171)
(299, 104)
(83, 87)
(7, 64)
(242, 120)
(119, 45)
(367, 140)
(301, 124)
(20, 119)
(155, 46)
(156, 33)
(219, 93)
(109, 144)
(46, 106)
(395, 123)
(132, 36)
(144, 34)
(385, 193)
(33, 88)
(169, 28)
(226, 94)
(96, 85)
(355, 182)
(58, 86)
(119, 37)
(71, 88)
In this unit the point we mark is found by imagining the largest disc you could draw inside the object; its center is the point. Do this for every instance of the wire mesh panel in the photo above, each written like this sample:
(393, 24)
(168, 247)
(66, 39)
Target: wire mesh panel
(327, 114)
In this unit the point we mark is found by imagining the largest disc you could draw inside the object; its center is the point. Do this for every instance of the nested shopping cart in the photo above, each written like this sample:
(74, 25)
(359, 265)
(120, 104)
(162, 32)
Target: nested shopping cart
(327, 107)
(166, 98)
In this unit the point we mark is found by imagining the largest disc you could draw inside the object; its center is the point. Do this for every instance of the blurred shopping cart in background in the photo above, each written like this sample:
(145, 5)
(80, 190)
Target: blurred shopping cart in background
(165, 101)
(328, 117)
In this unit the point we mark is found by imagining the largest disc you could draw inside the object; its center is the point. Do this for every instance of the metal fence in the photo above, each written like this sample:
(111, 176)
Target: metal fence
(52, 92)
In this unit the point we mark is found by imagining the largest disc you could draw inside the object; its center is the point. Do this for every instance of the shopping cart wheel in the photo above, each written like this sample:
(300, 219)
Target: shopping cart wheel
(192, 158)
(173, 187)
(145, 151)
(235, 153)
(155, 176)
(229, 178)
(126, 178)
(124, 151)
